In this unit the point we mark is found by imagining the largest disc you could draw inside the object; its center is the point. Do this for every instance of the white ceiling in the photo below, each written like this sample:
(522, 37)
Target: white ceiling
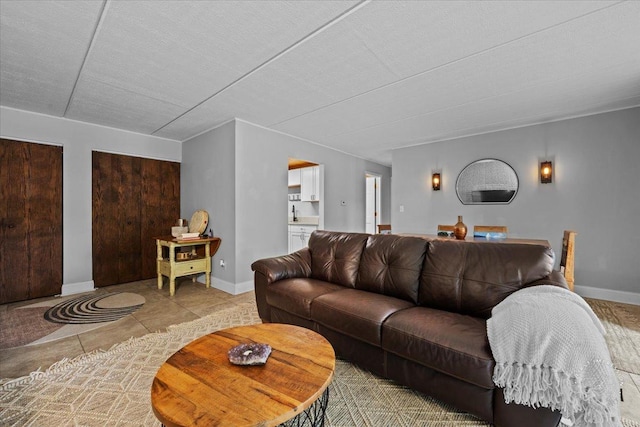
(362, 77)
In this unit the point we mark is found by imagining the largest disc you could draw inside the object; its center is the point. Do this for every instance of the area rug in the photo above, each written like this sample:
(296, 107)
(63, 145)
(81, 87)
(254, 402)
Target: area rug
(113, 387)
(622, 323)
(62, 317)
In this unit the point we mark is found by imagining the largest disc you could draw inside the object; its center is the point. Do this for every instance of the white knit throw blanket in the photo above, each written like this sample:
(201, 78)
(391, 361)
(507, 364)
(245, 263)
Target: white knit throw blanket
(550, 351)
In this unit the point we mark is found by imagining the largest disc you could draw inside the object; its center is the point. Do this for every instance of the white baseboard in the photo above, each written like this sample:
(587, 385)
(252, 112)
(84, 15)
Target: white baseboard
(77, 288)
(243, 287)
(608, 294)
(231, 288)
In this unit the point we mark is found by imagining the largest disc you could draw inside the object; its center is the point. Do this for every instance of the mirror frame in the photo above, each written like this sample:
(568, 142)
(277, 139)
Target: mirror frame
(488, 202)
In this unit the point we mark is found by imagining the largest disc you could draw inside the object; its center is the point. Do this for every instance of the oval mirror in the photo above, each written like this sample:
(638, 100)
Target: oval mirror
(487, 181)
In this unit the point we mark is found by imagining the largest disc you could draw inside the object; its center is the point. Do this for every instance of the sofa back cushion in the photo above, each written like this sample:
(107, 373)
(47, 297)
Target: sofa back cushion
(335, 256)
(472, 278)
(391, 265)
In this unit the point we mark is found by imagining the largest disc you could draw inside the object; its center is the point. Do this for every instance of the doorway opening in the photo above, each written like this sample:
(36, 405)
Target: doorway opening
(306, 201)
(372, 209)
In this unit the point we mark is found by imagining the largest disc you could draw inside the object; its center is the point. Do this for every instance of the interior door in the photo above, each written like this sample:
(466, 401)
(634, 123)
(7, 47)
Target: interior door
(116, 219)
(128, 179)
(105, 220)
(160, 207)
(30, 220)
(372, 204)
(134, 200)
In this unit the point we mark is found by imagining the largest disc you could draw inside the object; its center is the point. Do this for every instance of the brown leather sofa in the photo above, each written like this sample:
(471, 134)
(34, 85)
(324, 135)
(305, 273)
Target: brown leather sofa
(410, 309)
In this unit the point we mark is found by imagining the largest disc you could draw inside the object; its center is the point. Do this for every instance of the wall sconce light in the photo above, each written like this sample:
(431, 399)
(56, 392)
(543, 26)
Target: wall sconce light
(546, 172)
(435, 181)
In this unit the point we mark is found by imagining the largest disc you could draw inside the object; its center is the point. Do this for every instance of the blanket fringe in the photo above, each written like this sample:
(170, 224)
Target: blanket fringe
(552, 389)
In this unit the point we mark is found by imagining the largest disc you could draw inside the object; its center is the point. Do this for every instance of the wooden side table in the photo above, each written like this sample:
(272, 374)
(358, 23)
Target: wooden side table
(197, 262)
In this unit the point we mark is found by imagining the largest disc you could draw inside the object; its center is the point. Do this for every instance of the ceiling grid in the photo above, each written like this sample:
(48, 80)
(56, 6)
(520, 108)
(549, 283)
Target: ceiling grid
(84, 60)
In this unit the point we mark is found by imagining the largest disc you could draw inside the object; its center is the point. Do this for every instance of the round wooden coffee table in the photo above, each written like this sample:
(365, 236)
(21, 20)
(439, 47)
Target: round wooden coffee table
(198, 386)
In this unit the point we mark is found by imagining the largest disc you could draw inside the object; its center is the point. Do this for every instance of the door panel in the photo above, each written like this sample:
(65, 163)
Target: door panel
(152, 214)
(105, 208)
(30, 220)
(134, 200)
(160, 207)
(45, 220)
(129, 248)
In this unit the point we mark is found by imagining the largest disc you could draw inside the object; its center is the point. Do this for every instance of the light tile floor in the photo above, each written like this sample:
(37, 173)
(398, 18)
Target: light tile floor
(191, 301)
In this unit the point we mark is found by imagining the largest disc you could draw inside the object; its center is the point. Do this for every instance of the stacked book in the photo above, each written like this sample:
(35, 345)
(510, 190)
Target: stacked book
(189, 236)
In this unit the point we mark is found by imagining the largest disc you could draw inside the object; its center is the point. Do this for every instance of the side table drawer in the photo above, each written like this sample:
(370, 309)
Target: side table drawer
(188, 267)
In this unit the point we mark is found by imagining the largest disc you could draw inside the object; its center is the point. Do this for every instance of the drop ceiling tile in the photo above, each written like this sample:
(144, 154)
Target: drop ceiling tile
(570, 98)
(107, 105)
(252, 100)
(42, 45)
(184, 52)
(331, 65)
(363, 53)
(572, 51)
(388, 41)
(193, 123)
(414, 36)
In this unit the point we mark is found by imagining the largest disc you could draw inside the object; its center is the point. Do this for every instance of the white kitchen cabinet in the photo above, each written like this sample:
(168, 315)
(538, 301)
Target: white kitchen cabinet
(294, 177)
(299, 236)
(310, 184)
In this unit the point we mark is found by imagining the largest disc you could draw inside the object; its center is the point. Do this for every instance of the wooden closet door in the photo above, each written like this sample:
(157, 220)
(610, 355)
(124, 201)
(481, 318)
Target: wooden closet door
(132, 203)
(128, 179)
(116, 218)
(151, 208)
(160, 207)
(105, 229)
(30, 220)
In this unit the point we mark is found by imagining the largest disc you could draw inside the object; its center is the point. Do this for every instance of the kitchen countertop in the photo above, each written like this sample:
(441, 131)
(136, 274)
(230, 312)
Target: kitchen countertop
(304, 220)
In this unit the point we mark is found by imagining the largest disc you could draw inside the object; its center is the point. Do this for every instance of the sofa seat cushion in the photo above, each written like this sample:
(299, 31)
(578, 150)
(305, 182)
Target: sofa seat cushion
(355, 313)
(452, 343)
(295, 295)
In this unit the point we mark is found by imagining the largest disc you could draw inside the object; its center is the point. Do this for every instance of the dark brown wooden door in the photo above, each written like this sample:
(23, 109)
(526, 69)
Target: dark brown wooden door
(160, 207)
(30, 220)
(134, 200)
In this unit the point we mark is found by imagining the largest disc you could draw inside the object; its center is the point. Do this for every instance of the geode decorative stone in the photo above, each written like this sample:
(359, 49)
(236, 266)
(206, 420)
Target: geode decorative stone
(249, 354)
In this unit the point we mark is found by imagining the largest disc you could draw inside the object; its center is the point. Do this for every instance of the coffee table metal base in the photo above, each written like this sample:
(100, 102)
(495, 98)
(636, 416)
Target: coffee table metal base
(312, 416)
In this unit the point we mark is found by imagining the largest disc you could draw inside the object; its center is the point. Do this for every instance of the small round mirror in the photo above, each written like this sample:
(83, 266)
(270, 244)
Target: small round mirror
(487, 181)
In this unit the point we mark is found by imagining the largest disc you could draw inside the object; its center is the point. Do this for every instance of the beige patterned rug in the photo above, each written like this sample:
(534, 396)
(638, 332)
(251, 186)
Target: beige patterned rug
(622, 323)
(113, 387)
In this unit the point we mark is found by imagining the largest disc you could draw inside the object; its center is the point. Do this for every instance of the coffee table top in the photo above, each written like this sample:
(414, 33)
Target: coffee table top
(198, 386)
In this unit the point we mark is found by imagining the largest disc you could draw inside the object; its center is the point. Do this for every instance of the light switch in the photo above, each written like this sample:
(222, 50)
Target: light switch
(401, 208)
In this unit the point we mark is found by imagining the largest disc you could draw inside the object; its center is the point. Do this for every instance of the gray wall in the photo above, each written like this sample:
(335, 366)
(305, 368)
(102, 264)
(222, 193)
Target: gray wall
(208, 182)
(78, 140)
(595, 191)
(262, 179)
(243, 185)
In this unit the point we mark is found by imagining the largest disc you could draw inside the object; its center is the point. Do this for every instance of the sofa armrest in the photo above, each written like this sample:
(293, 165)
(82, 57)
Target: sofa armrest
(555, 278)
(270, 270)
(296, 264)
